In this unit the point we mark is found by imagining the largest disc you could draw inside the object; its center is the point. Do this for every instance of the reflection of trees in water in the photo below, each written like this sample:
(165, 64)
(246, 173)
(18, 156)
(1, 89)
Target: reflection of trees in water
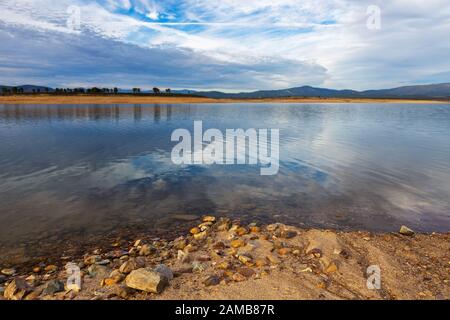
(137, 112)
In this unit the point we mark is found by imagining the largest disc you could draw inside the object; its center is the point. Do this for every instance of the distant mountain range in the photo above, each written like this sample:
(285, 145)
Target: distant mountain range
(433, 91)
(436, 91)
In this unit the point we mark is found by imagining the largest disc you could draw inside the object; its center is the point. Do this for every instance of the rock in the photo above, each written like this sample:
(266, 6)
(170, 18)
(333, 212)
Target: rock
(212, 281)
(180, 244)
(51, 268)
(195, 230)
(128, 266)
(164, 270)
(288, 234)
(277, 244)
(284, 251)
(331, 268)
(31, 279)
(146, 250)
(183, 256)
(203, 258)
(34, 295)
(74, 286)
(17, 289)
(122, 291)
(92, 259)
(272, 259)
(219, 246)
(9, 271)
(200, 236)
(272, 227)
(205, 226)
(182, 270)
(241, 231)
(104, 262)
(198, 267)
(189, 248)
(406, 231)
(244, 259)
(140, 262)
(225, 265)
(116, 275)
(209, 219)
(316, 252)
(246, 272)
(237, 243)
(53, 286)
(146, 280)
(238, 277)
(108, 282)
(260, 263)
(96, 270)
(255, 229)
(224, 224)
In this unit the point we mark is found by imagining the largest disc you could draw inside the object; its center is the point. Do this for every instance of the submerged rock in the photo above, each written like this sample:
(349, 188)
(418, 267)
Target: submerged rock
(146, 280)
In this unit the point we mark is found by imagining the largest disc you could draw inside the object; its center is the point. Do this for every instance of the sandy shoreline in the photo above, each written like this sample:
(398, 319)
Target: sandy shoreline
(130, 99)
(224, 259)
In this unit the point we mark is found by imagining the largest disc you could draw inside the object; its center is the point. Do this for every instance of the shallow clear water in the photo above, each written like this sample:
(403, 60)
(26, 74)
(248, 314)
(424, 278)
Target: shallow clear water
(75, 173)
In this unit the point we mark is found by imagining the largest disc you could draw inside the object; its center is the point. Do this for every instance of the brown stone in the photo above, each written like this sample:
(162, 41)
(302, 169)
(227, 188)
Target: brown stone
(209, 219)
(237, 243)
(200, 236)
(331, 268)
(284, 251)
(146, 280)
(128, 266)
(239, 277)
(246, 272)
(255, 229)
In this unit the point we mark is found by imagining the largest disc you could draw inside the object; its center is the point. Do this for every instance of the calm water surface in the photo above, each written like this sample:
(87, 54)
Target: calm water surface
(75, 174)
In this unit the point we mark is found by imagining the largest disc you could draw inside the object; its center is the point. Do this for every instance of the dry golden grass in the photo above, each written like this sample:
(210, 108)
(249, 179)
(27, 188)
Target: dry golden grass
(129, 99)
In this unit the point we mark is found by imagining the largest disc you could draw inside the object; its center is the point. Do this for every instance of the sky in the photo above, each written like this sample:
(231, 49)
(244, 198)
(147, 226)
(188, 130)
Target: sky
(228, 45)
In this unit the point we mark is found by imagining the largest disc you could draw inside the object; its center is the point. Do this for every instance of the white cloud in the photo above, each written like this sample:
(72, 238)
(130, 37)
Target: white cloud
(255, 35)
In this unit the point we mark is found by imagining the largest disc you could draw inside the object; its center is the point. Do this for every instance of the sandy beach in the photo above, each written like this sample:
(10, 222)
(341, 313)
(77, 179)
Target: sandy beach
(224, 259)
(141, 99)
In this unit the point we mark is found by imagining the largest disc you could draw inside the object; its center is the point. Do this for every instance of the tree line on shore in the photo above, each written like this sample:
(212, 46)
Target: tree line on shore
(93, 90)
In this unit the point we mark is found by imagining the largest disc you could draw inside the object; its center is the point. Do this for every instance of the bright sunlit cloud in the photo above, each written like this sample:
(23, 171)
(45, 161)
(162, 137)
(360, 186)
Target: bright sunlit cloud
(228, 44)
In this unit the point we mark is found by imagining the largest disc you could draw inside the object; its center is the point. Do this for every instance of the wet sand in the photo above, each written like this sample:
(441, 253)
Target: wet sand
(224, 259)
(141, 99)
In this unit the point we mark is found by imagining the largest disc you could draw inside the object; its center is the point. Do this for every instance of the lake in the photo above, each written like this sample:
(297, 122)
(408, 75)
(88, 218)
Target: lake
(72, 176)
